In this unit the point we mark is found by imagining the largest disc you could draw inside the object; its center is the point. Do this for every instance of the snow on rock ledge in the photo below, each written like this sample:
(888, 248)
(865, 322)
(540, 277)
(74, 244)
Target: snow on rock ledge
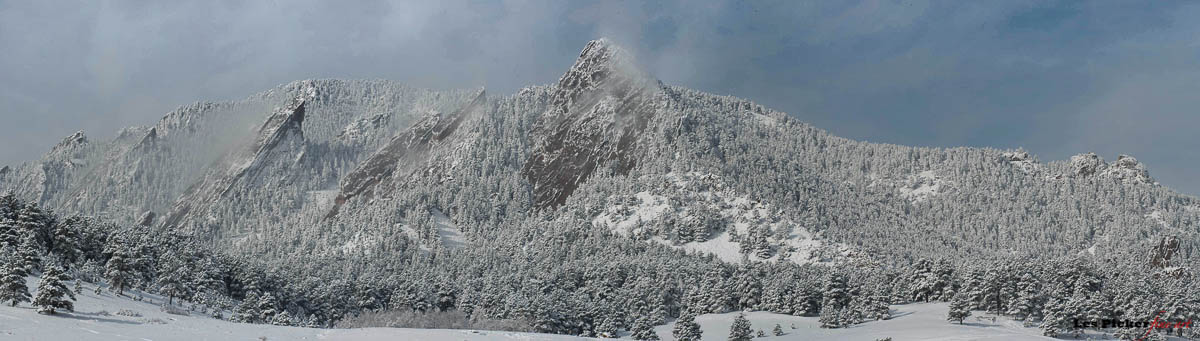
(1021, 160)
(1084, 165)
(925, 185)
(1129, 170)
(1126, 168)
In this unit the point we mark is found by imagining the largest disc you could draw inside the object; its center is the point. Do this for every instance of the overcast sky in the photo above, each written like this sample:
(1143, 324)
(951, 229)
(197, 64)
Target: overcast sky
(1057, 78)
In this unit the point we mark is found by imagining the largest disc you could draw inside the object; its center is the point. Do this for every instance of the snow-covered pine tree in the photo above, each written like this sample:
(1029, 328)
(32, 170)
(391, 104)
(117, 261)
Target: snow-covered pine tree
(10, 234)
(1028, 303)
(1054, 319)
(994, 282)
(830, 317)
(12, 278)
(806, 302)
(118, 271)
(267, 307)
(30, 252)
(975, 287)
(849, 316)
(836, 297)
(247, 311)
(960, 308)
(64, 241)
(741, 330)
(283, 318)
(52, 292)
(777, 331)
(643, 328)
(609, 326)
(686, 328)
(173, 275)
(877, 307)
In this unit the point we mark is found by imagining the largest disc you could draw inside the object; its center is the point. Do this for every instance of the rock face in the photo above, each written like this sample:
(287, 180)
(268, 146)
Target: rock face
(1016, 156)
(1021, 160)
(1128, 169)
(597, 114)
(338, 166)
(279, 143)
(405, 151)
(1084, 165)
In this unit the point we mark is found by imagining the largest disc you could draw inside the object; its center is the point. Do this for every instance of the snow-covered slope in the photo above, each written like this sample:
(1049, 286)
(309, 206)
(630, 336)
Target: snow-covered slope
(107, 317)
(322, 166)
(925, 321)
(699, 212)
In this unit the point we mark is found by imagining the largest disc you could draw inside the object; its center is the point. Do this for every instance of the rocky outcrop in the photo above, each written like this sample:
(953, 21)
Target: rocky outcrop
(357, 132)
(405, 150)
(1128, 169)
(279, 141)
(1021, 160)
(1084, 165)
(597, 115)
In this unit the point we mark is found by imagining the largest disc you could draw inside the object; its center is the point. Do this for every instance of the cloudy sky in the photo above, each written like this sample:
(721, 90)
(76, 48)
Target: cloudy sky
(1057, 78)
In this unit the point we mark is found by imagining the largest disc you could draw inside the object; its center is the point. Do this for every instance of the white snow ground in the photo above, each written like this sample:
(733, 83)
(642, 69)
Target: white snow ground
(925, 321)
(95, 318)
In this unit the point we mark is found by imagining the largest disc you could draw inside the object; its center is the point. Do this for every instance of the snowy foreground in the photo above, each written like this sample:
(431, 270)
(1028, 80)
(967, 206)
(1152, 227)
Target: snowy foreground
(925, 321)
(97, 318)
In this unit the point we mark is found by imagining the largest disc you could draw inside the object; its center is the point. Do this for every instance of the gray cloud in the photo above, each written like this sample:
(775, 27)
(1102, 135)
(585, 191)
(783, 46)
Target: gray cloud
(1055, 78)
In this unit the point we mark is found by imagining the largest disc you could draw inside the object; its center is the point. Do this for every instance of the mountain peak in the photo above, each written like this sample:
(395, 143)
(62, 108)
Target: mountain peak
(70, 143)
(77, 138)
(596, 115)
(600, 64)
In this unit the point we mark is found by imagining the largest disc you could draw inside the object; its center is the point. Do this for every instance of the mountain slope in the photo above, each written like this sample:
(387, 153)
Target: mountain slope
(368, 163)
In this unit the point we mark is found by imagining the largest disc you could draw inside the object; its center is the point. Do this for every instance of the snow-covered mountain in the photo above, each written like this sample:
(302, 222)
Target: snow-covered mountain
(605, 202)
(339, 153)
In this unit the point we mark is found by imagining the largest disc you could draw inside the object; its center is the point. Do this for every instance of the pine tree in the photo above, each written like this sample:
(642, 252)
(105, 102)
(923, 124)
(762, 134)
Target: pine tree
(1028, 299)
(119, 268)
(53, 293)
(247, 311)
(836, 293)
(643, 329)
(609, 325)
(777, 331)
(960, 308)
(10, 234)
(64, 241)
(830, 317)
(30, 252)
(740, 330)
(173, 274)
(686, 328)
(835, 299)
(267, 307)
(283, 318)
(12, 278)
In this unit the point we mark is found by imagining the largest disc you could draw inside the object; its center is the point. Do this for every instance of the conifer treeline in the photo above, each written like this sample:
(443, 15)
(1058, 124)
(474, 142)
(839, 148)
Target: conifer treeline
(570, 281)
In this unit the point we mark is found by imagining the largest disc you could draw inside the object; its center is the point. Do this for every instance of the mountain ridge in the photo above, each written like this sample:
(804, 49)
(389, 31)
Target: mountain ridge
(600, 135)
